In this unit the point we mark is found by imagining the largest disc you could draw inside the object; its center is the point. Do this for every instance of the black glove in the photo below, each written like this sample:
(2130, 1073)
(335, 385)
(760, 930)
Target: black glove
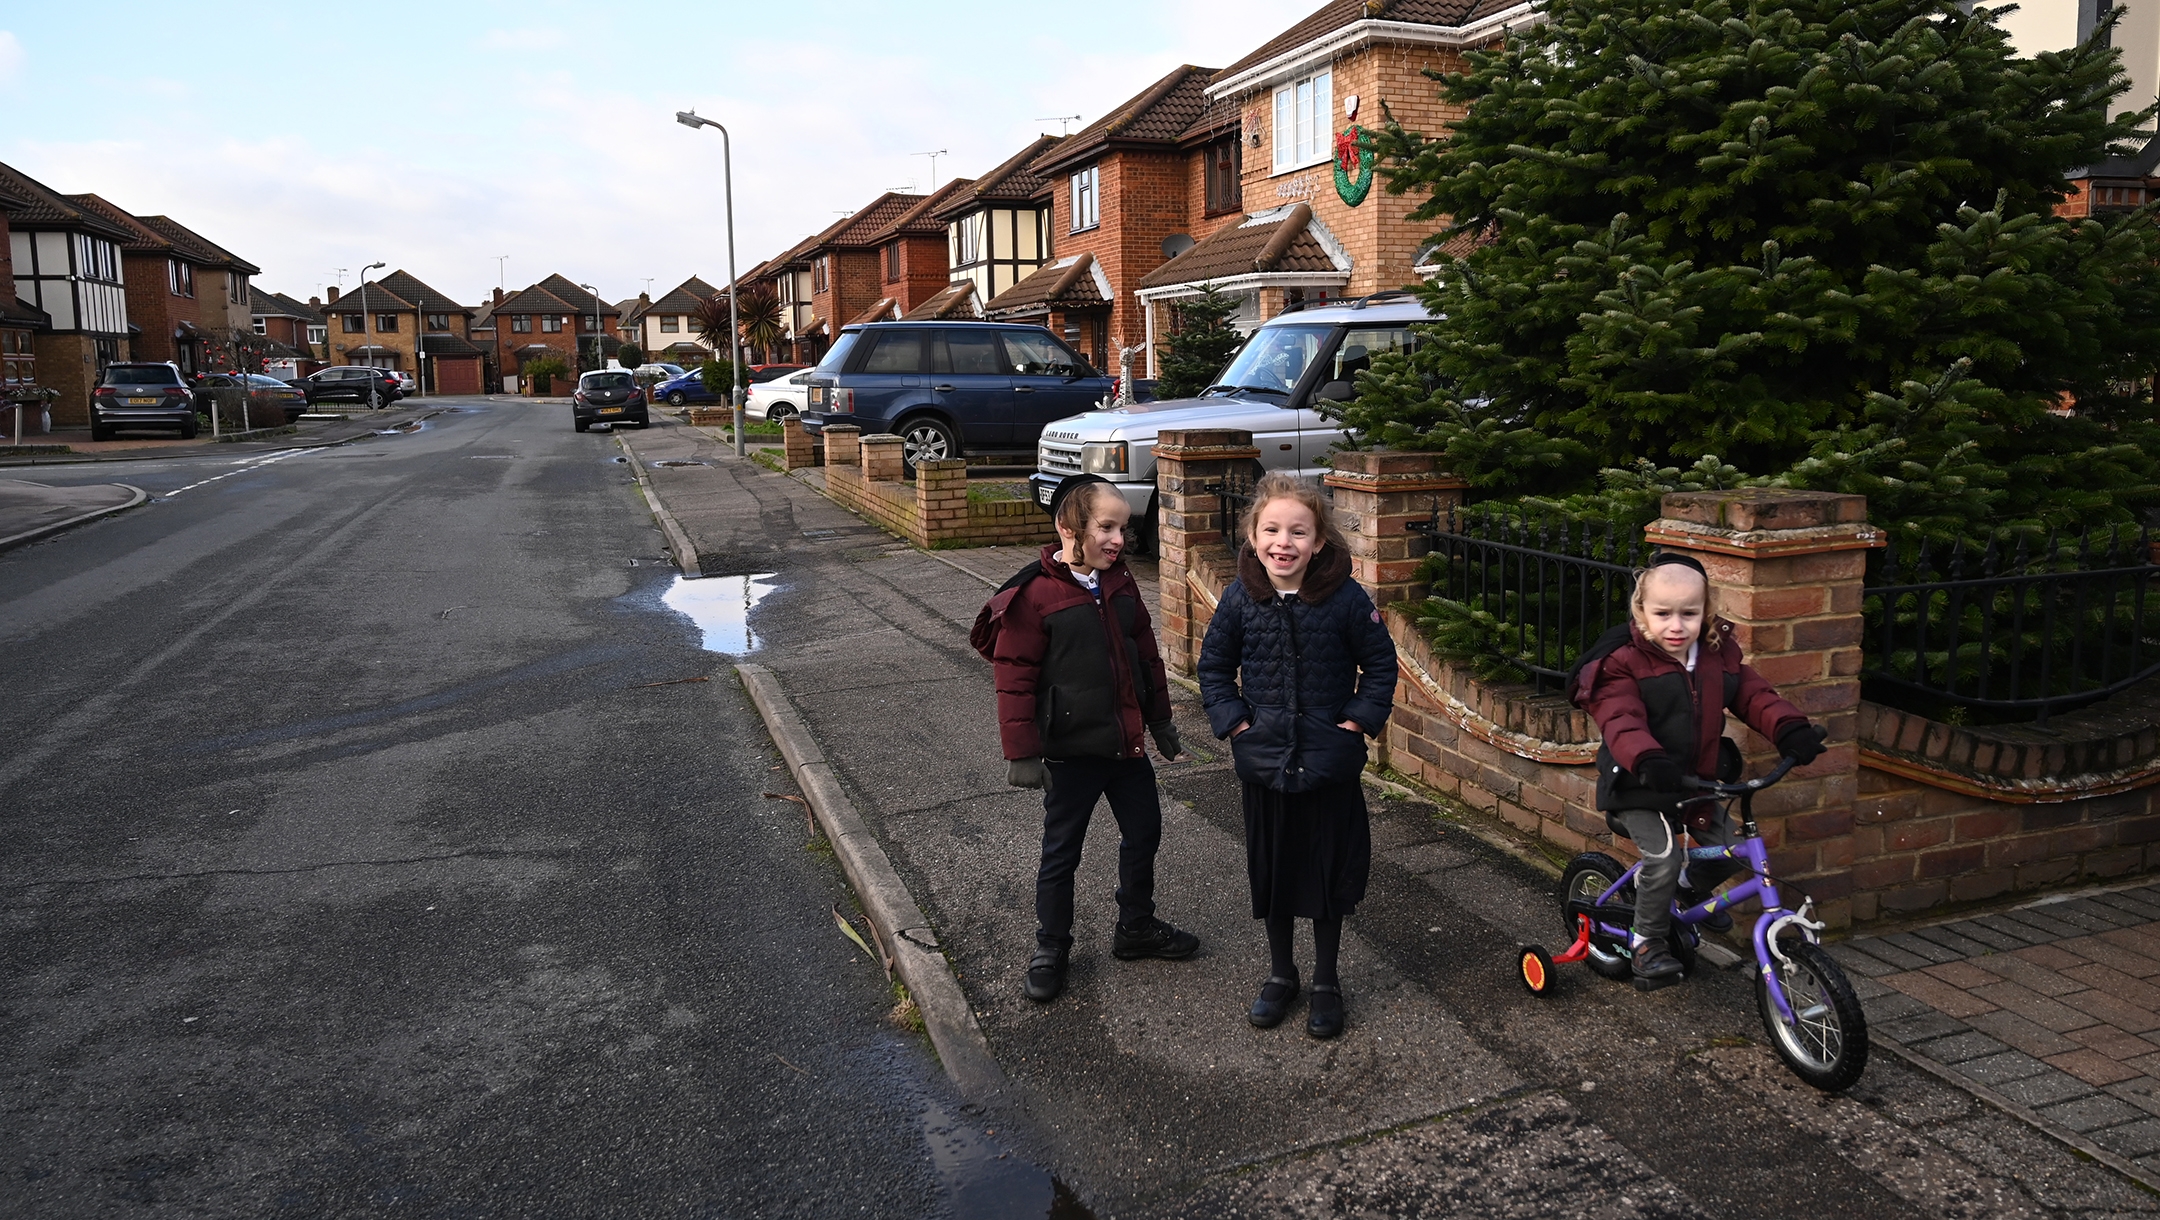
(1803, 742)
(1166, 739)
(1657, 771)
(1026, 773)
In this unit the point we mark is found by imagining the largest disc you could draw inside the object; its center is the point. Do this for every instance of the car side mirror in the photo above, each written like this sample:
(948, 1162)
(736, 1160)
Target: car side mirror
(1337, 391)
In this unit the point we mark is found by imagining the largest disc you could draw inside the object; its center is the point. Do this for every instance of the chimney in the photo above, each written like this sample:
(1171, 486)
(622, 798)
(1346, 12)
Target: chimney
(498, 296)
(333, 294)
(314, 302)
(644, 299)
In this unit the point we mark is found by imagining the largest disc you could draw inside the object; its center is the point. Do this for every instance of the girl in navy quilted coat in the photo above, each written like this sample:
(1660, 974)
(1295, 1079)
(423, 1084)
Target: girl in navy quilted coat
(1297, 671)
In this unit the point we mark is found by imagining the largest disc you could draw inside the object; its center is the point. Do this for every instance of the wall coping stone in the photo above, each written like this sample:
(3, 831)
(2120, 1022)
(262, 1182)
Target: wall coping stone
(2112, 746)
(1748, 509)
(1762, 543)
(1437, 681)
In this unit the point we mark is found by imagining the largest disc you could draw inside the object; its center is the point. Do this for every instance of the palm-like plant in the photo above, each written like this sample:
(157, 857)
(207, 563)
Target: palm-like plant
(758, 308)
(711, 320)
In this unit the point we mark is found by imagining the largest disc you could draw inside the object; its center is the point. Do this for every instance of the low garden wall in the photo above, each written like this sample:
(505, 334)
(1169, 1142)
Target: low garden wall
(866, 475)
(1902, 815)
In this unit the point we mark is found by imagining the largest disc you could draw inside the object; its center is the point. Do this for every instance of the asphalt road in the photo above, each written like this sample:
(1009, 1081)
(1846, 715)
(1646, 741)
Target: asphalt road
(366, 848)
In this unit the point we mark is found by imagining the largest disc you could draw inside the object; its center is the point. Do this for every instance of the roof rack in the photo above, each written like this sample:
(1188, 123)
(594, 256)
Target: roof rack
(1389, 295)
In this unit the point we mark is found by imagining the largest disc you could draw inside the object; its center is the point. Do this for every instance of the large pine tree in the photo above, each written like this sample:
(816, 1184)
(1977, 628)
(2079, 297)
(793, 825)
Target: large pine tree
(1758, 230)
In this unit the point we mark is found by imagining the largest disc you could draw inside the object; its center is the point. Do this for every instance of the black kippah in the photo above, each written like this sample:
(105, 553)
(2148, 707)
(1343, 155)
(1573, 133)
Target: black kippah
(1662, 558)
(1067, 486)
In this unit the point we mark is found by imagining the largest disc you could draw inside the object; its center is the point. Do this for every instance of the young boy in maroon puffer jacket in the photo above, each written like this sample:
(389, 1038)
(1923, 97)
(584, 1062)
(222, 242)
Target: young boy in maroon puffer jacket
(1660, 699)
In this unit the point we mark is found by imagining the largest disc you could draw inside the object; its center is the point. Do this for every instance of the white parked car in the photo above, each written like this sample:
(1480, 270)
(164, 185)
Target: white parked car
(406, 385)
(777, 399)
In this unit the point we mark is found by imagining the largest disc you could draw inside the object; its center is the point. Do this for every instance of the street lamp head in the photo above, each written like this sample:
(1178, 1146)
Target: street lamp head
(689, 118)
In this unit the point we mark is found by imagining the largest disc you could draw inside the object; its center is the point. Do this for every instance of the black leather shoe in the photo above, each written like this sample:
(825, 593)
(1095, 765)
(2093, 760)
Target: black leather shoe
(1324, 1019)
(1046, 974)
(1151, 938)
(1655, 966)
(1717, 921)
(1274, 1002)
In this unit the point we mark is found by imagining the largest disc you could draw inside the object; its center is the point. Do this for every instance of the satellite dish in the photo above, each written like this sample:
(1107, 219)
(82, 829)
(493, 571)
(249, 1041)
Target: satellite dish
(1176, 244)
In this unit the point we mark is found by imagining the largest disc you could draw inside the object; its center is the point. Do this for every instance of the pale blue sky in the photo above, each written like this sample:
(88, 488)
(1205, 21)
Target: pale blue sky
(437, 135)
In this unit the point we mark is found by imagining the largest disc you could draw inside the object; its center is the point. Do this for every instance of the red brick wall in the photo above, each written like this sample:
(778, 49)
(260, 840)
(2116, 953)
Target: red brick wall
(924, 271)
(152, 306)
(1143, 200)
(856, 283)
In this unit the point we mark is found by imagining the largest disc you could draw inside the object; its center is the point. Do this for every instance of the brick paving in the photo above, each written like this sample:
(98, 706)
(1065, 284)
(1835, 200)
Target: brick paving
(2055, 1006)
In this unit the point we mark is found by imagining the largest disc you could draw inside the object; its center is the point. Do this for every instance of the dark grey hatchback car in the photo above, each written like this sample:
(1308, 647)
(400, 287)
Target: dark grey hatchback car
(141, 394)
(951, 388)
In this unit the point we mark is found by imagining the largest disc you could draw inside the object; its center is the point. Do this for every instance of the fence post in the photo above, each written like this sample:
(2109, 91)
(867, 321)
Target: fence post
(1188, 516)
(842, 443)
(1378, 495)
(882, 461)
(941, 500)
(1787, 567)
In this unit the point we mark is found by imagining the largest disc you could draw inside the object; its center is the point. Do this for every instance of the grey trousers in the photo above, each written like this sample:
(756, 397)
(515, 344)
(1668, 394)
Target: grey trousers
(1663, 854)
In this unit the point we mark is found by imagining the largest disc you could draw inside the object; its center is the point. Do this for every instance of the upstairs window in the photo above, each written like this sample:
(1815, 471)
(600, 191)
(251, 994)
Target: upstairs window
(1303, 111)
(386, 323)
(551, 323)
(671, 324)
(819, 275)
(181, 276)
(355, 324)
(1087, 198)
(318, 334)
(521, 323)
(1225, 167)
(262, 326)
(892, 261)
(235, 287)
(438, 321)
(967, 240)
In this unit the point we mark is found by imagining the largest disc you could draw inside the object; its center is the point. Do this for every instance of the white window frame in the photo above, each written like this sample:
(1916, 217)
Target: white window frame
(1087, 199)
(1304, 121)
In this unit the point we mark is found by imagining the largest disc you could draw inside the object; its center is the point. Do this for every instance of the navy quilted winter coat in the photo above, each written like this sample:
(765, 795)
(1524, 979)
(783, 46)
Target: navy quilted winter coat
(1296, 667)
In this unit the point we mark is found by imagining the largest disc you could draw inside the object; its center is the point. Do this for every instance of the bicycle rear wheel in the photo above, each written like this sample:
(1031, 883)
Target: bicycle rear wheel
(1588, 876)
(1826, 1044)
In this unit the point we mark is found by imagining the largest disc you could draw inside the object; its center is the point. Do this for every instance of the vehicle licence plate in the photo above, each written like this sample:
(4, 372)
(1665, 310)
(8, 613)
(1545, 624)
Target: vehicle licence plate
(611, 410)
(142, 402)
(1043, 494)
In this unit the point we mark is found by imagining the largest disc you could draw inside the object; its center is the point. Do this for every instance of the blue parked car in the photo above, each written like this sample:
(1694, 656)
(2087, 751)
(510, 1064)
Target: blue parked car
(685, 388)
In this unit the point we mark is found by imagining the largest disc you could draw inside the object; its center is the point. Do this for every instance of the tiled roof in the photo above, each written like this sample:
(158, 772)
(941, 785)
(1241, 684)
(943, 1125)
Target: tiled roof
(196, 246)
(885, 310)
(1158, 114)
(921, 220)
(299, 308)
(855, 231)
(583, 301)
(273, 305)
(1011, 182)
(429, 300)
(447, 345)
(1283, 244)
(534, 300)
(1341, 14)
(379, 300)
(1065, 282)
(44, 207)
(142, 239)
(19, 313)
(684, 298)
(957, 301)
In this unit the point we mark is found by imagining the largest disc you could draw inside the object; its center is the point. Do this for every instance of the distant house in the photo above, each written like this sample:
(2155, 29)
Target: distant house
(553, 317)
(221, 283)
(177, 289)
(291, 333)
(372, 326)
(997, 232)
(912, 251)
(667, 327)
(68, 267)
(19, 324)
(445, 359)
(847, 272)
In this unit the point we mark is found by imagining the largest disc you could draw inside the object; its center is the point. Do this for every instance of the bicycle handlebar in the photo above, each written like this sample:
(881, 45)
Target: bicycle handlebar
(1743, 787)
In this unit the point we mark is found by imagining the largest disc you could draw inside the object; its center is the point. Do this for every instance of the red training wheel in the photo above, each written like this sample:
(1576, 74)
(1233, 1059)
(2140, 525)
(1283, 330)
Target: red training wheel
(1536, 970)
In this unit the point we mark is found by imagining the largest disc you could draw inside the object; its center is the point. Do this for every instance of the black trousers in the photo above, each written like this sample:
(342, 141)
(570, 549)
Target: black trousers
(1068, 804)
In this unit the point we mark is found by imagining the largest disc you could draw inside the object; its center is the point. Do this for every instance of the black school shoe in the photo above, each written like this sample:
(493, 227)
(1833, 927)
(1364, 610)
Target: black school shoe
(1655, 966)
(1151, 937)
(1324, 1019)
(1046, 974)
(1268, 1013)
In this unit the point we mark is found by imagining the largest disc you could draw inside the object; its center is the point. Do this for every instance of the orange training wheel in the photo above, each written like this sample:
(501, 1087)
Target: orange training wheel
(1536, 970)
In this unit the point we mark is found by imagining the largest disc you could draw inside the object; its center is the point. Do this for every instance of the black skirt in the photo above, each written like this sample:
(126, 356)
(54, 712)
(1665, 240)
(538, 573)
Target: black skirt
(1307, 854)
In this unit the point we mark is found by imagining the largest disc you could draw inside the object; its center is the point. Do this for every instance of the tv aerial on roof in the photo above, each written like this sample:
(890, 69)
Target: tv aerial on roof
(1065, 122)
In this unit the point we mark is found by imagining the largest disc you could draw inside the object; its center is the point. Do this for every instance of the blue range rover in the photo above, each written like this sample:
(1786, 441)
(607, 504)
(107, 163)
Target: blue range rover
(951, 388)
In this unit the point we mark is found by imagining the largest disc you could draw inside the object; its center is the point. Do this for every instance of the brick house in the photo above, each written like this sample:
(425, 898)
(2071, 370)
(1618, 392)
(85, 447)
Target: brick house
(912, 250)
(538, 322)
(178, 290)
(67, 266)
(293, 333)
(20, 323)
(444, 358)
(847, 271)
(997, 232)
(221, 286)
(373, 326)
(1117, 193)
(1308, 225)
(666, 328)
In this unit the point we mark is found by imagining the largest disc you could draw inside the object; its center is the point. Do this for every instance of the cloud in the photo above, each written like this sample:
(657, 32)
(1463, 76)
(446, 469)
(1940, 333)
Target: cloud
(545, 39)
(12, 59)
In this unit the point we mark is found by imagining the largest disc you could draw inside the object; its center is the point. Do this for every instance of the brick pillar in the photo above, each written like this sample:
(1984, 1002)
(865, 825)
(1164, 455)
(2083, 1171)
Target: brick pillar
(882, 458)
(941, 509)
(1786, 568)
(1188, 516)
(1377, 496)
(798, 450)
(842, 444)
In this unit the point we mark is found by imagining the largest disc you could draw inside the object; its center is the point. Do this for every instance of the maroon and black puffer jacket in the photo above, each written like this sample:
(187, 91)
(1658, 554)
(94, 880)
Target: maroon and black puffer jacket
(1077, 677)
(1644, 700)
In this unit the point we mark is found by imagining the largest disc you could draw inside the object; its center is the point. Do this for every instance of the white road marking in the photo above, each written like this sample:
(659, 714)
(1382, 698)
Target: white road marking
(246, 465)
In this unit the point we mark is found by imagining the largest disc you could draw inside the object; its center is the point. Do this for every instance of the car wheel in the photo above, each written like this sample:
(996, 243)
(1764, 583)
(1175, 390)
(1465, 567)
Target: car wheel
(927, 439)
(579, 424)
(644, 421)
(99, 432)
(188, 430)
(676, 399)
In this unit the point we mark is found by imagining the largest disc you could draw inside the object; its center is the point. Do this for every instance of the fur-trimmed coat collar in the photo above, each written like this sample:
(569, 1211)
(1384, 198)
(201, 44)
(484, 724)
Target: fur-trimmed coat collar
(1329, 569)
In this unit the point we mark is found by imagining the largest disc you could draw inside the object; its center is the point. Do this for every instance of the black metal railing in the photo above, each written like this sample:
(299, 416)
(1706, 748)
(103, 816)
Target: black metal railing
(1555, 585)
(2012, 635)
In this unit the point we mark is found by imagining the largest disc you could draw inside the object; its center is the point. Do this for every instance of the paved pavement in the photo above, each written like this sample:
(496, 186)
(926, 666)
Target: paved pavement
(380, 839)
(1453, 1093)
(29, 511)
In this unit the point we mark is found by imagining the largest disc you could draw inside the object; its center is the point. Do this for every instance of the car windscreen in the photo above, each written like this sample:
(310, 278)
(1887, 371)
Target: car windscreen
(140, 374)
(761, 376)
(836, 359)
(608, 381)
(1273, 360)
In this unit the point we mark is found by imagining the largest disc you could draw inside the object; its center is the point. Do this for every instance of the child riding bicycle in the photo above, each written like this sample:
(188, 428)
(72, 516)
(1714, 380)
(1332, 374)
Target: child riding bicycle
(1659, 689)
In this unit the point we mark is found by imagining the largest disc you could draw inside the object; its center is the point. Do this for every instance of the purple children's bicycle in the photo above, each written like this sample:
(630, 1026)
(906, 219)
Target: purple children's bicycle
(1807, 1004)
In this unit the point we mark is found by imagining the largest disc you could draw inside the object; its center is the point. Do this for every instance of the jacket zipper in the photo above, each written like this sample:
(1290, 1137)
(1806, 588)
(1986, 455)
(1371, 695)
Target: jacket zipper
(1297, 685)
(1120, 681)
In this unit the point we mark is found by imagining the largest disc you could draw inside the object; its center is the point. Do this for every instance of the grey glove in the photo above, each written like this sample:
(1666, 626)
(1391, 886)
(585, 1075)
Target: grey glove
(1027, 773)
(1166, 739)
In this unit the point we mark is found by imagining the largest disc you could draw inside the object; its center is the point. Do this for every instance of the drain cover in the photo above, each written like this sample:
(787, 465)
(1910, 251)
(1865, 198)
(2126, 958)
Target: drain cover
(821, 533)
(678, 462)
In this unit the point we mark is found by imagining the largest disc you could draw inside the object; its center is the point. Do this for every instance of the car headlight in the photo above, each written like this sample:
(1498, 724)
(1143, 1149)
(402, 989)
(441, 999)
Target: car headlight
(1107, 457)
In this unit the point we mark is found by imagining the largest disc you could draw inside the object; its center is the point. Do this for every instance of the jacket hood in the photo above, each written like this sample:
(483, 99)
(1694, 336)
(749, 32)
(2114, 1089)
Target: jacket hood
(1330, 568)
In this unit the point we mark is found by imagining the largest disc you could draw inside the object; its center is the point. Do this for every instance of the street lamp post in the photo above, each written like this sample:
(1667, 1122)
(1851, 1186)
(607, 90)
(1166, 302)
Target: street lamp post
(367, 341)
(690, 118)
(597, 354)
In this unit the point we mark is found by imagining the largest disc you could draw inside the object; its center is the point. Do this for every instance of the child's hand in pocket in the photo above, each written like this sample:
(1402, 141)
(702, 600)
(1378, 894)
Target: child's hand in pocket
(1241, 727)
(1351, 725)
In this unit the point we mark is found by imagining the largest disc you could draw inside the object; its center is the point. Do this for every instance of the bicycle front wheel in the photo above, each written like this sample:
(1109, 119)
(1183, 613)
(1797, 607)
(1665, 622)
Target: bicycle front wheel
(1826, 1043)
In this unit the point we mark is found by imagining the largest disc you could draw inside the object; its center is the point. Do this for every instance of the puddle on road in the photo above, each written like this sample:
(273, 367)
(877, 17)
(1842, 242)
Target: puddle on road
(720, 606)
(986, 1182)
